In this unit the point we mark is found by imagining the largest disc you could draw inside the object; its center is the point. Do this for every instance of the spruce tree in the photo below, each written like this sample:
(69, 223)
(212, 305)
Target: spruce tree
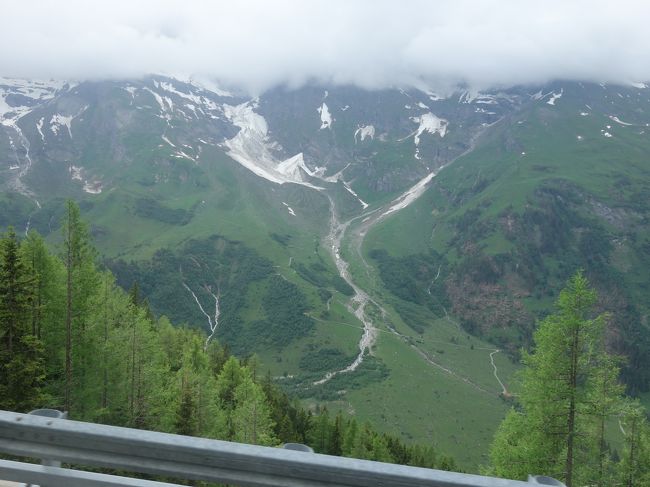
(185, 415)
(21, 354)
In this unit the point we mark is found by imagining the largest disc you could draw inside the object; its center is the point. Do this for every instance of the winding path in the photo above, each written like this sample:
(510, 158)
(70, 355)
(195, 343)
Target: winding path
(504, 390)
(358, 303)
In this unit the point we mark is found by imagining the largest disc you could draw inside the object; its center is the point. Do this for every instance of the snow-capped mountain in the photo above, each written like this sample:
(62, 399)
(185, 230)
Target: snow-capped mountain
(83, 132)
(353, 239)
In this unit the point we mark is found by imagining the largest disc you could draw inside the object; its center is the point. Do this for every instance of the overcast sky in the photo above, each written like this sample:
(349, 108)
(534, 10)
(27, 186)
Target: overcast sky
(257, 44)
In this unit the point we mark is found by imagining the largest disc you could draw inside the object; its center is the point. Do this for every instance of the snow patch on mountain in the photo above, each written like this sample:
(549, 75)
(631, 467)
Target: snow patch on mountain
(17, 90)
(89, 186)
(363, 132)
(179, 154)
(409, 196)
(337, 176)
(92, 187)
(325, 116)
(130, 90)
(5, 108)
(429, 123)
(75, 173)
(473, 96)
(159, 100)
(554, 97)
(619, 121)
(289, 209)
(484, 111)
(208, 85)
(57, 121)
(164, 137)
(434, 96)
(353, 193)
(196, 99)
(251, 147)
(291, 168)
(39, 127)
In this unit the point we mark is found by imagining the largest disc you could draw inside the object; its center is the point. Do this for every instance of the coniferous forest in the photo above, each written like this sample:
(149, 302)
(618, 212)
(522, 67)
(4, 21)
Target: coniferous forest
(71, 339)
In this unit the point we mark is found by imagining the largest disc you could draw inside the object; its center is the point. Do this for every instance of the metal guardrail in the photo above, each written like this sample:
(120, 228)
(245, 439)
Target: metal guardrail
(184, 457)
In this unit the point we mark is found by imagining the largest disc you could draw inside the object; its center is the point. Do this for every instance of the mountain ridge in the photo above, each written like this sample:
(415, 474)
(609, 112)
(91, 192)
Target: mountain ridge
(367, 189)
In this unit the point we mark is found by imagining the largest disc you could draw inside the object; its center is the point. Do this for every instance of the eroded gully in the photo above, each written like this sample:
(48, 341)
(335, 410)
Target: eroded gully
(358, 304)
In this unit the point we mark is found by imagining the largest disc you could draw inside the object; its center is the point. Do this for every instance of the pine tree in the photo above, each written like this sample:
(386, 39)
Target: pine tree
(81, 281)
(336, 436)
(21, 354)
(47, 303)
(251, 416)
(230, 377)
(15, 291)
(350, 437)
(556, 430)
(185, 416)
(321, 432)
(634, 468)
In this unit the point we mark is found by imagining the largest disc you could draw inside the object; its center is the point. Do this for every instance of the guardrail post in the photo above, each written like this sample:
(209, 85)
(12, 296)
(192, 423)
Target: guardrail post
(49, 413)
(298, 447)
(544, 480)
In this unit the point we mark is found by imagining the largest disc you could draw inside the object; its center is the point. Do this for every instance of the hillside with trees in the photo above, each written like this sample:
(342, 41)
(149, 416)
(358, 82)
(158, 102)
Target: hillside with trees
(570, 392)
(72, 339)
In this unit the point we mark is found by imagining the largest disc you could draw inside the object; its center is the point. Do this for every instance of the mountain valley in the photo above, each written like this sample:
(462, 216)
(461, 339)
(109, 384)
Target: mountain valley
(385, 253)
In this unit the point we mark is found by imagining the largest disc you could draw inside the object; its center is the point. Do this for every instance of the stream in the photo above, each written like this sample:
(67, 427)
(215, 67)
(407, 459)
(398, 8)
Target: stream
(358, 304)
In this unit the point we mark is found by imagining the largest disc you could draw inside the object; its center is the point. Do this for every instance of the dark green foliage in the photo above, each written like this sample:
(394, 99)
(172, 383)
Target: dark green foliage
(285, 307)
(224, 266)
(342, 286)
(339, 436)
(21, 354)
(317, 360)
(497, 262)
(150, 208)
(281, 239)
(316, 274)
(470, 227)
(324, 295)
(313, 274)
(23, 375)
(14, 208)
(185, 415)
(417, 278)
(15, 291)
(371, 370)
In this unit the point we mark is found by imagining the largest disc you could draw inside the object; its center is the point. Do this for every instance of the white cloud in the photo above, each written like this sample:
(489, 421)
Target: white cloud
(256, 44)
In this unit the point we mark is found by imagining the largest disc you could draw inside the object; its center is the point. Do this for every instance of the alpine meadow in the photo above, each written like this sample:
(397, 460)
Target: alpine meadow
(433, 253)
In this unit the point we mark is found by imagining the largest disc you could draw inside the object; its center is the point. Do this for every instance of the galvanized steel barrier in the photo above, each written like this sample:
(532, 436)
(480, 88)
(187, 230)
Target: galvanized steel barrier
(183, 457)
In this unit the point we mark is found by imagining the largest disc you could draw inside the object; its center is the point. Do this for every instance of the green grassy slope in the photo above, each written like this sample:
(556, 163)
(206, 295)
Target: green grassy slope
(550, 190)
